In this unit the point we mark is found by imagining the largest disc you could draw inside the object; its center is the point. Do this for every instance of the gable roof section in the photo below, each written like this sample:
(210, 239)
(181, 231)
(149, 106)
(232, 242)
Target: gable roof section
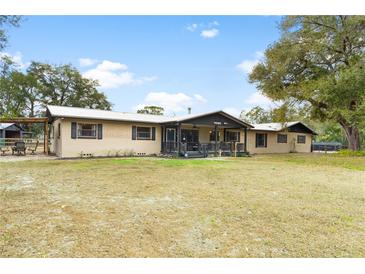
(5, 125)
(280, 126)
(83, 113)
(11, 126)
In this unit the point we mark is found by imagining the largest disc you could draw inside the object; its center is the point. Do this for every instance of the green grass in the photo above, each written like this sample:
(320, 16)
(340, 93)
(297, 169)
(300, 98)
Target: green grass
(294, 205)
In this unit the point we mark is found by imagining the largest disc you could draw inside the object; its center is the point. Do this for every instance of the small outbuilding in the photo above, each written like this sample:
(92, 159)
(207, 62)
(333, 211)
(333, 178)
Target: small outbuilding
(10, 131)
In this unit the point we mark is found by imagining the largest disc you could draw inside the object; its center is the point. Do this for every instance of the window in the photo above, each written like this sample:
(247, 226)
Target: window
(144, 133)
(86, 131)
(282, 138)
(212, 135)
(232, 136)
(261, 140)
(301, 139)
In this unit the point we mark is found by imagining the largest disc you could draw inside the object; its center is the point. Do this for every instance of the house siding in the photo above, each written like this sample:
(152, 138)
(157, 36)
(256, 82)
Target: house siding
(274, 147)
(117, 138)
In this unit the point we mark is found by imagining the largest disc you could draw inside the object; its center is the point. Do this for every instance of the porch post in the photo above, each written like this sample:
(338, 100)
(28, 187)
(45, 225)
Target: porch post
(178, 133)
(46, 138)
(216, 140)
(163, 144)
(245, 145)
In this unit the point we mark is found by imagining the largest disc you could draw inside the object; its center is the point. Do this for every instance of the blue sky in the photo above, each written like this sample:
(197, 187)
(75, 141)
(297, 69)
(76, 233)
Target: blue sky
(173, 61)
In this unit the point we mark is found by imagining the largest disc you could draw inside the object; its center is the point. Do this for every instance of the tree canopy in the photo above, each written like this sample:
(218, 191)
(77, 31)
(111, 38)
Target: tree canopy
(319, 64)
(27, 93)
(6, 21)
(154, 110)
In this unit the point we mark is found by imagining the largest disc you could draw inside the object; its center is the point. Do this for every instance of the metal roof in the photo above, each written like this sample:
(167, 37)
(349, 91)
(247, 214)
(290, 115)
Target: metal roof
(278, 126)
(5, 125)
(75, 112)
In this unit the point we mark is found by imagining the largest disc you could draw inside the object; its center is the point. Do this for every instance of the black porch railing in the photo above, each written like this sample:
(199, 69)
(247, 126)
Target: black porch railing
(204, 148)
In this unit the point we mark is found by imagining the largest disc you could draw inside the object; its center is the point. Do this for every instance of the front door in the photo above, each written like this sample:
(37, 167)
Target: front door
(170, 145)
(170, 134)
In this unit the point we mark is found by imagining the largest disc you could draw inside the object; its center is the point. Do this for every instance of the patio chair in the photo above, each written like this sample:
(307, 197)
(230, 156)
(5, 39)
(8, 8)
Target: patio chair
(4, 150)
(33, 148)
(19, 147)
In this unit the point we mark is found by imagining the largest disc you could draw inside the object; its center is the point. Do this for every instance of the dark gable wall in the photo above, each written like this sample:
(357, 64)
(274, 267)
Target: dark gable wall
(299, 128)
(210, 119)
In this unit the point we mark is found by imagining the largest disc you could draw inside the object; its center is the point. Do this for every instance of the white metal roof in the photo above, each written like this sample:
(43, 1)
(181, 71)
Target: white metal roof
(274, 126)
(278, 126)
(5, 125)
(75, 112)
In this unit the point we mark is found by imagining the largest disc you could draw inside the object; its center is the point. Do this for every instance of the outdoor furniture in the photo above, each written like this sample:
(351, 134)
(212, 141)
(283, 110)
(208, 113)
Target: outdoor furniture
(19, 147)
(33, 148)
(4, 150)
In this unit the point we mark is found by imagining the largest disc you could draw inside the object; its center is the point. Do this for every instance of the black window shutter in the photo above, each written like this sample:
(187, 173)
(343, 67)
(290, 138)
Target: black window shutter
(73, 130)
(134, 132)
(257, 137)
(153, 133)
(100, 131)
(265, 139)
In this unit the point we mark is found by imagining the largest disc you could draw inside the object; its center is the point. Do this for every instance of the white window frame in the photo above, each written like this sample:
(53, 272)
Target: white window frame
(147, 138)
(95, 126)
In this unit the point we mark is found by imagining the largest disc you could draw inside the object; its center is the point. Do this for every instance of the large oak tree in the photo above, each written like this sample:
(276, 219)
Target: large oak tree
(319, 63)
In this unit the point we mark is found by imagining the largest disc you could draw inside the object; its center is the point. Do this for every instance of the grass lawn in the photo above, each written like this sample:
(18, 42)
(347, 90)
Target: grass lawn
(264, 206)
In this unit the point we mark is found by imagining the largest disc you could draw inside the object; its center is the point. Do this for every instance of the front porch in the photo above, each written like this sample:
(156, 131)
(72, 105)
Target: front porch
(217, 134)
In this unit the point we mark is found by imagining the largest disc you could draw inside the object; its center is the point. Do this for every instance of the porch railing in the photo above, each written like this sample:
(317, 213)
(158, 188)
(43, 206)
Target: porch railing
(223, 147)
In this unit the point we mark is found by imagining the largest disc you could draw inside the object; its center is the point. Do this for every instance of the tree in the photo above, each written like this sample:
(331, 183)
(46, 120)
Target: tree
(63, 85)
(256, 115)
(154, 110)
(319, 63)
(11, 101)
(6, 21)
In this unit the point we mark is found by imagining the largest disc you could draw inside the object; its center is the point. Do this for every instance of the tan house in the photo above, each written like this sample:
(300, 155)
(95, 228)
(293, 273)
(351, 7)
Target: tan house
(79, 132)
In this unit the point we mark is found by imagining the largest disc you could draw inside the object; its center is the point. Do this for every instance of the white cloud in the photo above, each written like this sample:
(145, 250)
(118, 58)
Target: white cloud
(247, 65)
(17, 59)
(258, 99)
(192, 27)
(200, 98)
(172, 102)
(111, 66)
(210, 33)
(86, 62)
(114, 74)
(233, 111)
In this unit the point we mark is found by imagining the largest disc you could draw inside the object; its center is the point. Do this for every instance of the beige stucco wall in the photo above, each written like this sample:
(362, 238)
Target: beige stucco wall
(274, 147)
(56, 142)
(117, 138)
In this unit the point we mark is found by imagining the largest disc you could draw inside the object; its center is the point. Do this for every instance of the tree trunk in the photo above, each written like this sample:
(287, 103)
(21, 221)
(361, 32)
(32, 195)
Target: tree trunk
(352, 136)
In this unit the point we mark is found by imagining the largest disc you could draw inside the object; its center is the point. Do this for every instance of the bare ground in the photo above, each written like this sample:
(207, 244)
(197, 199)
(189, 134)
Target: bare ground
(266, 206)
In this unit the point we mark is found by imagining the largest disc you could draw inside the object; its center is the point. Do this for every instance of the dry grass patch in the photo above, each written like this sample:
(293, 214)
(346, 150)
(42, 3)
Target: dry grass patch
(264, 206)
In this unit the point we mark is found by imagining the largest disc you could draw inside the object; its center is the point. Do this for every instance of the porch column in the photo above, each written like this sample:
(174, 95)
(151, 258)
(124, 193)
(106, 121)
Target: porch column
(216, 140)
(178, 133)
(163, 139)
(46, 138)
(245, 145)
